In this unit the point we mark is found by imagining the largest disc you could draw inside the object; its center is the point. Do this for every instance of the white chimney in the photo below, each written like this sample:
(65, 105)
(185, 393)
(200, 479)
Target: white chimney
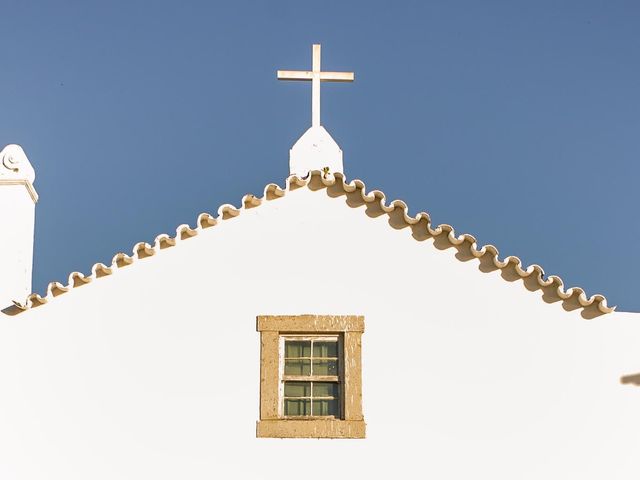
(17, 216)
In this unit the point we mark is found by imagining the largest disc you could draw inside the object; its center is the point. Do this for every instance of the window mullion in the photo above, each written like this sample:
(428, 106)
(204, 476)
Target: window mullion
(311, 401)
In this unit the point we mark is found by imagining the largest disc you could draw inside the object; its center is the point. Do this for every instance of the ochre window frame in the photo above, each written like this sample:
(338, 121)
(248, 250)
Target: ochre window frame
(271, 423)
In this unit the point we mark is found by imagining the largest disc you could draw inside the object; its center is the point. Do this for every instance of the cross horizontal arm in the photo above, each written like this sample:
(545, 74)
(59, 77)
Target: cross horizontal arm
(337, 76)
(307, 75)
(294, 75)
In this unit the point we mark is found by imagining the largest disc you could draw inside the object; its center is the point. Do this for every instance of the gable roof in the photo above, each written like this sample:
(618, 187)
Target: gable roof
(444, 234)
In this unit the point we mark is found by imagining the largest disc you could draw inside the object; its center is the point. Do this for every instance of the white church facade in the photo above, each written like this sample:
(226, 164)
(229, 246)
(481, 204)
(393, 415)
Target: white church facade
(316, 330)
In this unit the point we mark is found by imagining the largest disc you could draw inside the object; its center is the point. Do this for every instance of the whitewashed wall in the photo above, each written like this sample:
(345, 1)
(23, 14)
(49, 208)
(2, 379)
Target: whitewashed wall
(153, 372)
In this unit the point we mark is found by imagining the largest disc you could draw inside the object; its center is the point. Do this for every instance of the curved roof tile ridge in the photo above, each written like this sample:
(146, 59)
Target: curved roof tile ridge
(272, 191)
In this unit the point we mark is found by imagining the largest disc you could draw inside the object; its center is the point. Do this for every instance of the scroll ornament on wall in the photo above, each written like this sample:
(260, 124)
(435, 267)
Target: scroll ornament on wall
(14, 164)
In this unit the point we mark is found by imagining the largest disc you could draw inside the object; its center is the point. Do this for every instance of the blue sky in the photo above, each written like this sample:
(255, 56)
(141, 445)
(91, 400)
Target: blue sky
(517, 122)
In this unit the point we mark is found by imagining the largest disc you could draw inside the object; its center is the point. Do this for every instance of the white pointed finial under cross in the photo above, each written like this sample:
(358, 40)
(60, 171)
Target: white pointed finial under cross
(315, 76)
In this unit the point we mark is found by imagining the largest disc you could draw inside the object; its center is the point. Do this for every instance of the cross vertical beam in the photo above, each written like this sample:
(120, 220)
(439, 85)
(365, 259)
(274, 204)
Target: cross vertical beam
(315, 87)
(316, 75)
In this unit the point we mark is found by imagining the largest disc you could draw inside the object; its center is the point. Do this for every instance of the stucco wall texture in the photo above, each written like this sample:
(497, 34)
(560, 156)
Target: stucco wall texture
(154, 372)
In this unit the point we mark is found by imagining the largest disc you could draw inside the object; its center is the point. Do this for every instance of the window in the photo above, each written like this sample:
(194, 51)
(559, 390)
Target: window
(310, 376)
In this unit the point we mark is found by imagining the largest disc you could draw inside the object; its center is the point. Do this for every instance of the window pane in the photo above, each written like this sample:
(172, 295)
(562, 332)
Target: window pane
(297, 349)
(325, 349)
(325, 367)
(297, 407)
(325, 407)
(297, 367)
(325, 389)
(297, 389)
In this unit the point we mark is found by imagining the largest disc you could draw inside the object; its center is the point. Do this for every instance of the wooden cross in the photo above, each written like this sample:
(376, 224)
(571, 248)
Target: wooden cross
(315, 76)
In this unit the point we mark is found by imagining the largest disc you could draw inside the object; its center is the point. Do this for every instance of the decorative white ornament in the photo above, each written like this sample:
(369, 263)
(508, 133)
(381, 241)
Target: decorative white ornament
(15, 165)
(315, 150)
(18, 198)
(10, 162)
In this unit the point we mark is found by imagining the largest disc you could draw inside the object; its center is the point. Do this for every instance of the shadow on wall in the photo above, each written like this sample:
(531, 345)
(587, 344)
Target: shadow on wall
(11, 310)
(420, 232)
(631, 380)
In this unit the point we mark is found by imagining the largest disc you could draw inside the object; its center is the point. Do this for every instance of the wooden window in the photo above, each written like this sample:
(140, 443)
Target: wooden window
(310, 376)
